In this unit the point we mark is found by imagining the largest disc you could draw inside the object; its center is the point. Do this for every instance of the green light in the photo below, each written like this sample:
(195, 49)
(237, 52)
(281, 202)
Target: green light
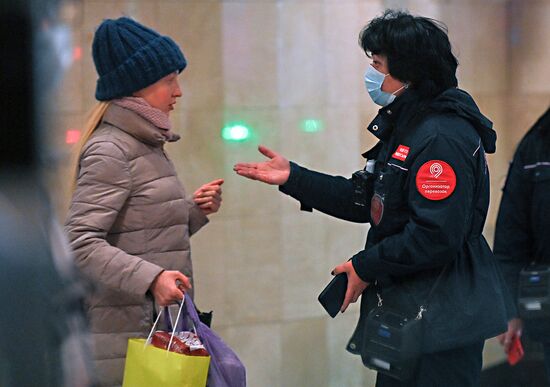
(312, 126)
(236, 132)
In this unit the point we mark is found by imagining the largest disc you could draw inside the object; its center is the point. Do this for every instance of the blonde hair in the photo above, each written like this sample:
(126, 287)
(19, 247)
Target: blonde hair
(92, 123)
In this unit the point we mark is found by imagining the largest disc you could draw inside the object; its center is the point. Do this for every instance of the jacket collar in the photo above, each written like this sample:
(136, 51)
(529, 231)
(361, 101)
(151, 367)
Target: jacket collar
(383, 124)
(135, 125)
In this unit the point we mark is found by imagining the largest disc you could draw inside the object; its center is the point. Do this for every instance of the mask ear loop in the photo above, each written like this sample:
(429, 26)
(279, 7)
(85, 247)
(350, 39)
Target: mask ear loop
(405, 86)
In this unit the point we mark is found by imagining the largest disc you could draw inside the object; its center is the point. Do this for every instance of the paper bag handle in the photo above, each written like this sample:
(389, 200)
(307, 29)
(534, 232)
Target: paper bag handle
(148, 341)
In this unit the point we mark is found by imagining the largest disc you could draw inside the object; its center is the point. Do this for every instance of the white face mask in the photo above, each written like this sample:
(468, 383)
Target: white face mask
(373, 82)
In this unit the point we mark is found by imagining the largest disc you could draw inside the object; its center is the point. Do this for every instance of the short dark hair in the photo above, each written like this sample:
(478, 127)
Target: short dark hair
(417, 49)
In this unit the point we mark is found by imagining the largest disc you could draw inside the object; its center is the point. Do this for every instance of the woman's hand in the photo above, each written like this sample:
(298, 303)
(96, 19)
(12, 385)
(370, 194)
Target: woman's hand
(165, 288)
(274, 171)
(209, 197)
(356, 285)
(515, 327)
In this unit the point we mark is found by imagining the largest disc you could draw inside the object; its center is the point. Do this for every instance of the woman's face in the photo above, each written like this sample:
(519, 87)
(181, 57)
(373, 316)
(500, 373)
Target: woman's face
(163, 93)
(390, 85)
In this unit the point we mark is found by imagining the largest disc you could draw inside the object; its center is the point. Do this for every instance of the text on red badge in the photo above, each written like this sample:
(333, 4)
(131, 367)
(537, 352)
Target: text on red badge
(435, 180)
(401, 152)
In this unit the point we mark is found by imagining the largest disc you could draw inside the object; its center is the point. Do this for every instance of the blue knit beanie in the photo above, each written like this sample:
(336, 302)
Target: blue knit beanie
(129, 57)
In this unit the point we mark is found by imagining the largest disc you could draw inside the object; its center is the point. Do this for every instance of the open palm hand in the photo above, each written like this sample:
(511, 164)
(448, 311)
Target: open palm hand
(275, 171)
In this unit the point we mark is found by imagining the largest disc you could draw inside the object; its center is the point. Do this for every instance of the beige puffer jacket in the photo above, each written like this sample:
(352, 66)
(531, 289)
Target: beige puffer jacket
(129, 219)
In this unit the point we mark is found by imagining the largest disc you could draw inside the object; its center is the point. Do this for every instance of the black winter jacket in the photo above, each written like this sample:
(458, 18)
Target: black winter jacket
(426, 202)
(521, 235)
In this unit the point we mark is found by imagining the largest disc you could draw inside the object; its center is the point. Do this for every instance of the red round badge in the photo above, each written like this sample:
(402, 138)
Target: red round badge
(435, 180)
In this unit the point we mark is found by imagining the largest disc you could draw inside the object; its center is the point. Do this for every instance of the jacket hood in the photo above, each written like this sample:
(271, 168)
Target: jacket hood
(459, 102)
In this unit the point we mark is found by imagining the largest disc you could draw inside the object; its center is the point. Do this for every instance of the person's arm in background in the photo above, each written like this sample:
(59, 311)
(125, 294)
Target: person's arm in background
(513, 238)
(103, 185)
(332, 195)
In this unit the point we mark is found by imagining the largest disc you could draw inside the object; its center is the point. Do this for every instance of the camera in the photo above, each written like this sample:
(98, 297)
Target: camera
(360, 181)
(392, 344)
(534, 292)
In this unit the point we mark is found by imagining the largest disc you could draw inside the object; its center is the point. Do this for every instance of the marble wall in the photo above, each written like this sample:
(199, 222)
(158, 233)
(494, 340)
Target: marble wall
(261, 263)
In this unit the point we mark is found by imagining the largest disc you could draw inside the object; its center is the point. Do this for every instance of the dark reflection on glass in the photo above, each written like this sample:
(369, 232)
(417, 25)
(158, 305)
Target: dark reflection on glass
(43, 340)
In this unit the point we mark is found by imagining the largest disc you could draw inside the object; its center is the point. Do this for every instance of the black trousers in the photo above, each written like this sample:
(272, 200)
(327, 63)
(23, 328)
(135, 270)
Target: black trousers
(460, 367)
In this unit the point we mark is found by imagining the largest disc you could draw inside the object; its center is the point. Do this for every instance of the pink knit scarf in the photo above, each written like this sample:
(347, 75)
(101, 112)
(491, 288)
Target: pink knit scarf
(155, 116)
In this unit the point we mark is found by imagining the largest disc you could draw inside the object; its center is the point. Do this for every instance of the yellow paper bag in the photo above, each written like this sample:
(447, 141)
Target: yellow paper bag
(148, 366)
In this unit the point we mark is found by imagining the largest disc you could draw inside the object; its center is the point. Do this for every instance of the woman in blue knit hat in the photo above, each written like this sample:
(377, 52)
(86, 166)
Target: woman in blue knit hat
(130, 218)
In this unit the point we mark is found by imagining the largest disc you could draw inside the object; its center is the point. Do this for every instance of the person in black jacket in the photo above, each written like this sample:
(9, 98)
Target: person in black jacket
(425, 192)
(523, 221)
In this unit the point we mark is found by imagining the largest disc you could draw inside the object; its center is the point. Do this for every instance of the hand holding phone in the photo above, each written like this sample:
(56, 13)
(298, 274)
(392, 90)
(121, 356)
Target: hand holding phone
(332, 296)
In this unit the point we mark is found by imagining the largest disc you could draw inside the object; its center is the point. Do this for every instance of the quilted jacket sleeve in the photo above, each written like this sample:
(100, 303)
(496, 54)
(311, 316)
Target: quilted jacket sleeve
(103, 185)
(197, 219)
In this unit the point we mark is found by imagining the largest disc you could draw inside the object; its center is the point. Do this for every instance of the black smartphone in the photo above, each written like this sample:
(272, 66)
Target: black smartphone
(332, 296)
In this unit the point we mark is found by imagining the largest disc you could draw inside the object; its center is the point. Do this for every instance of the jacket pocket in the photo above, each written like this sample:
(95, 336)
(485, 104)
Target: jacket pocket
(540, 180)
(389, 200)
(541, 174)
